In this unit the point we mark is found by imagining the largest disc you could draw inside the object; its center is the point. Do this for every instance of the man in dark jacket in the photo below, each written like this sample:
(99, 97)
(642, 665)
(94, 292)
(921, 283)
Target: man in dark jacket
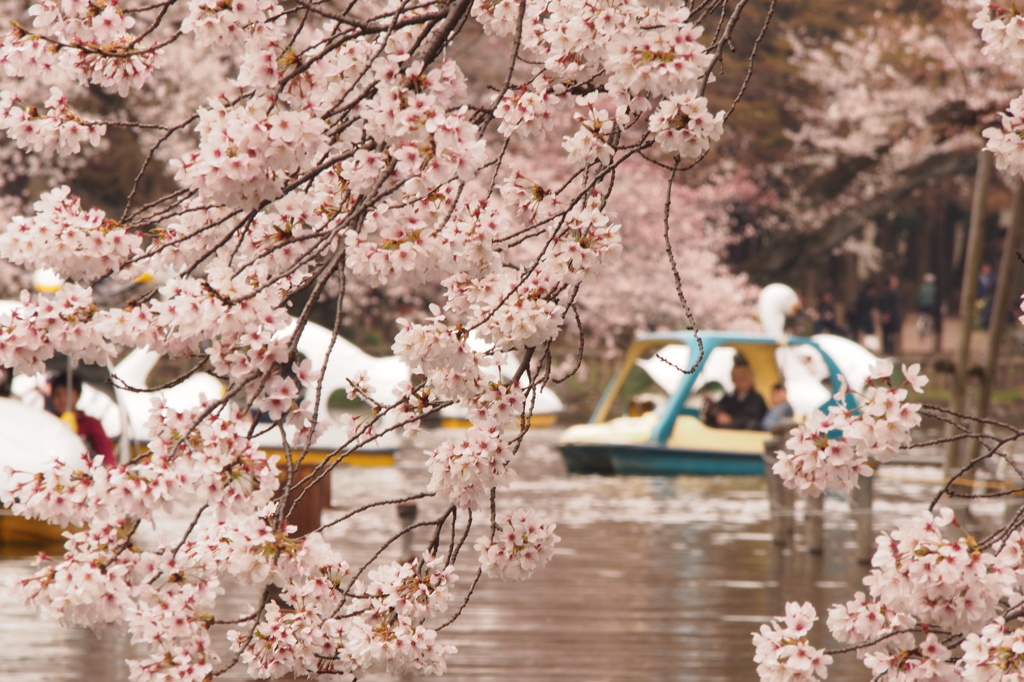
(741, 409)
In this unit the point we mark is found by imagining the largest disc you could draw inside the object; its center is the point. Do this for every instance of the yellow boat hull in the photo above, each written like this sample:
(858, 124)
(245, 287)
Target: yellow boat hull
(537, 421)
(17, 530)
(382, 458)
(357, 459)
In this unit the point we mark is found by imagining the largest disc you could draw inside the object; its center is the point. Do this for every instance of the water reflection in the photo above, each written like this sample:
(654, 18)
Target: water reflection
(656, 579)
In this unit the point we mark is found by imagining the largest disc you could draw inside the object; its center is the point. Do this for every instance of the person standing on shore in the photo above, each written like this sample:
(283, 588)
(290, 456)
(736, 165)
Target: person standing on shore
(862, 315)
(890, 312)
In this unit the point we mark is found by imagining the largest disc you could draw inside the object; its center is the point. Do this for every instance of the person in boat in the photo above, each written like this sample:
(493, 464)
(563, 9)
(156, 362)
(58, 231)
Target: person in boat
(780, 409)
(743, 408)
(65, 390)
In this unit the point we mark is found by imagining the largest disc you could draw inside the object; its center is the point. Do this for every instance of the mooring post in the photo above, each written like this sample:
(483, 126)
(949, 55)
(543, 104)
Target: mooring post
(407, 517)
(780, 498)
(861, 499)
(814, 523)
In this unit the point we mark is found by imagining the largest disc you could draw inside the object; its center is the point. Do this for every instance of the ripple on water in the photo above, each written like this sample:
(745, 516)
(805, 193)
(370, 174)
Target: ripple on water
(655, 579)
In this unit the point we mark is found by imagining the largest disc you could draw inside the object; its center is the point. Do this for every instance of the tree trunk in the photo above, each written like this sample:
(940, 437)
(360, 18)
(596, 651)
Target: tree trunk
(1000, 304)
(956, 455)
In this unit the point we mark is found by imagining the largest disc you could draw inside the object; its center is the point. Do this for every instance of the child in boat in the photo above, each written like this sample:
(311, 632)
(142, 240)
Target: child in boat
(780, 409)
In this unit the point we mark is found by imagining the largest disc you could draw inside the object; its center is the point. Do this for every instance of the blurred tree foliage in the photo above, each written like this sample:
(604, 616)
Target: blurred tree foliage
(918, 213)
(758, 138)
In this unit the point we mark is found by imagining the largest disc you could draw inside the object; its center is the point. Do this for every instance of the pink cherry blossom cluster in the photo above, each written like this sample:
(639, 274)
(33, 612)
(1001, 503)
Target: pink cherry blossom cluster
(382, 628)
(830, 450)
(932, 587)
(682, 125)
(994, 654)
(465, 471)
(948, 582)
(317, 150)
(216, 461)
(86, 43)
(82, 244)
(783, 652)
(587, 240)
(928, 660)
(93, 25)
(643, 51)
(522, 542)
(237, 22)
(500, 405)
(528, 110)
(639, 46)
(162, 593)
(41, 328)
(59, 128)
(1002, 30)
(590, 143)
(389, 634)
(443, 355)
(244, 155)
(1007, 141)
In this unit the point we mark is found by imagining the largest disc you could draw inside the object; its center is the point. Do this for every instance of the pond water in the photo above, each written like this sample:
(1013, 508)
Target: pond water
(654, 580)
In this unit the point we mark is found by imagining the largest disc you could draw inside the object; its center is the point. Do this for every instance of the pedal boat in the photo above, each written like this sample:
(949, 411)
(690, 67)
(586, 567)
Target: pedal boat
(33, 440)
(649, 421)
(338, 359)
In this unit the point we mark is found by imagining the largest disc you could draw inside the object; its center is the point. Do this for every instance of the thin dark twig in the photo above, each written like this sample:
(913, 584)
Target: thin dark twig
(666, 224)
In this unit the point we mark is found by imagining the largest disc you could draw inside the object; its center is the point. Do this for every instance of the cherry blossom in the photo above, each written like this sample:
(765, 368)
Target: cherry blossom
(683, 126)
(994, 653)
(281, 154)
(830, 450)
(928, 578)
(59, 128)
(85, 244)
(783, 651)
(1005, 142)
(522, 542)
(1000, 27)
(946, 582)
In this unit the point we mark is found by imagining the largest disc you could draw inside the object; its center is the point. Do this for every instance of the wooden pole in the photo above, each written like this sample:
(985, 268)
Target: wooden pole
(861, 501)
(1000, 304)
(955, 455)
(407, 516)
(814, 523)
(780, 498)
(940, 253)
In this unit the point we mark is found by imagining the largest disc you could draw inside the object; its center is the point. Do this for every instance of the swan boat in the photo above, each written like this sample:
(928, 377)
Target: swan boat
(33, 440)
(546, 406)
(336, 357)
(649, 420)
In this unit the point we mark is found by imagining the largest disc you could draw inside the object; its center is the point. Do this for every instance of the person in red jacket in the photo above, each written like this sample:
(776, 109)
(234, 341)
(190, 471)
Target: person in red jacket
(88, 428)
